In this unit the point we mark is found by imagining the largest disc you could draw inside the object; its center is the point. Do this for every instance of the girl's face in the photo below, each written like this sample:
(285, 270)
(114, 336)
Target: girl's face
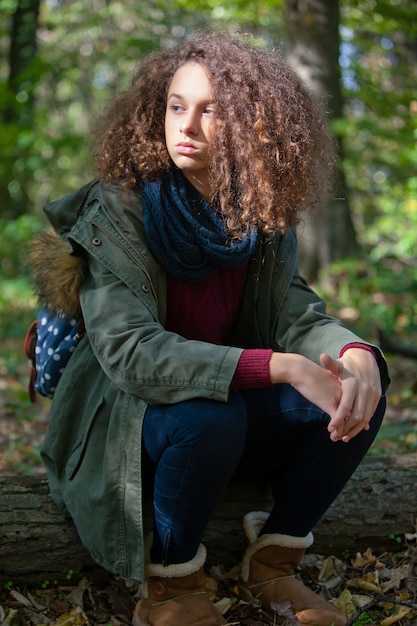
(188, 120)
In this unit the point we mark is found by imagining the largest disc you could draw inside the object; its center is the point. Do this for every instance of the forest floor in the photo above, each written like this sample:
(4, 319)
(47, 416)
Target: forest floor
(374, 589)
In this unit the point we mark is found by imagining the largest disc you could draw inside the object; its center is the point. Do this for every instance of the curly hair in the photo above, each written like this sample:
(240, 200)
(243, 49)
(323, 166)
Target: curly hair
(270, 155)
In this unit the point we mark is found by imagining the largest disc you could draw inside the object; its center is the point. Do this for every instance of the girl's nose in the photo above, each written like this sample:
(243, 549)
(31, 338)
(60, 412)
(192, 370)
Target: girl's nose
(189, 124)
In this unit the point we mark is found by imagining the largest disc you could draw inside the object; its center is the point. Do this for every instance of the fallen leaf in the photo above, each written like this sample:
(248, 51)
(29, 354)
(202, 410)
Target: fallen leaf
(396, 576)
(77, 594)
(345, 603)
(285, 609)
(361, 560)
(59, 606)
(331, 567)
(369, 581)
(76, 617)
(401, 612)
(224, 604)
(360, 600)
(20, 597)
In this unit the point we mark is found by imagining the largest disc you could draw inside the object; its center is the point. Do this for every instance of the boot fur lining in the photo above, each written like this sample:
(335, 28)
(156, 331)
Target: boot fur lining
(253, 523)
(176, 570)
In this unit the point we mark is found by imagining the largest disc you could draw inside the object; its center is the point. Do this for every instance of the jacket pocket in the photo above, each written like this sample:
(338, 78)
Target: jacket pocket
(77, 454)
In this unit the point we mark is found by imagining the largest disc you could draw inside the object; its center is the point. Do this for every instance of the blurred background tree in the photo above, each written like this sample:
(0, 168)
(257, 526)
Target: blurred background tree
(63, 60)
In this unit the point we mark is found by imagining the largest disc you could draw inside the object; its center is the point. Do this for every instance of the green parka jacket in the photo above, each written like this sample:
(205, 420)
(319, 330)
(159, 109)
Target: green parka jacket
(127, 359)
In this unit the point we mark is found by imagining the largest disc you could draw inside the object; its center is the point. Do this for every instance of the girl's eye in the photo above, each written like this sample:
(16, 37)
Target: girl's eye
(209, 111)
(177, 108)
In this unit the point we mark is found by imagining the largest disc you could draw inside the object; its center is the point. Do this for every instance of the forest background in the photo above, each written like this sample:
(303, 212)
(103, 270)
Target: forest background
(61, 61)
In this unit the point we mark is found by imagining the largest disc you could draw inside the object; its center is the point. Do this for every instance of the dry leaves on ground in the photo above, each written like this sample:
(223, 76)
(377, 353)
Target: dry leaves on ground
(376, 590)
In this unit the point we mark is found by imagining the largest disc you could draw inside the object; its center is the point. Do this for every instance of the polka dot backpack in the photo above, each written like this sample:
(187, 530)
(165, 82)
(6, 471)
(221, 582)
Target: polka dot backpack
(49, 343)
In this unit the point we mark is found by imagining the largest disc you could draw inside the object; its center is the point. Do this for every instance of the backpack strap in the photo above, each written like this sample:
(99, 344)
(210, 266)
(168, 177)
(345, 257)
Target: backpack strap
(29, 347)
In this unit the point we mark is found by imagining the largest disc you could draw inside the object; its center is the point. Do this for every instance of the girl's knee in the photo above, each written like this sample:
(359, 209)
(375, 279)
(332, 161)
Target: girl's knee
(224, 422)
(211, 427)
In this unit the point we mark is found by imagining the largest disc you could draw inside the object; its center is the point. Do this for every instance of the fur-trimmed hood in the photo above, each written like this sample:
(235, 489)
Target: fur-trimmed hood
(56, 273)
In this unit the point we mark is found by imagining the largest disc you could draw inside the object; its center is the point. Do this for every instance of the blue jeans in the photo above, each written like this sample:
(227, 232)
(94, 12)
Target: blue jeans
(194, 449)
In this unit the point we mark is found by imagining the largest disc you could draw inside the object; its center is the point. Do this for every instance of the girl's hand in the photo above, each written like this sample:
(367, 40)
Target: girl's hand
(360, 380)
(318, 384)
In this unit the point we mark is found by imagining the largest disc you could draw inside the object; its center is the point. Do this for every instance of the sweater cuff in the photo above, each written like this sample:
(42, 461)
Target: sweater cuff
(357, 344)
(252, 370)
(379, 358)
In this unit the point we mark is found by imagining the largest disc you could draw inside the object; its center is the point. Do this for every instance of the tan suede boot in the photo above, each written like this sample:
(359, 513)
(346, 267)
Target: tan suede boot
(175, 596)
(268, 570)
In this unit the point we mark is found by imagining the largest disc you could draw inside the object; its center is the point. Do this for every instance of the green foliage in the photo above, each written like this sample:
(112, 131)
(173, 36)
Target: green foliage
(379, 129)
(87, 53)
(17, 308)
(369, 295)
(14, 237)
(364, 618)
(253, 15)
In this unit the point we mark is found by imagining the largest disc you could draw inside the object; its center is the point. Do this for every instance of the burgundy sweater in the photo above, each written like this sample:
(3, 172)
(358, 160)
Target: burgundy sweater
(206, 311)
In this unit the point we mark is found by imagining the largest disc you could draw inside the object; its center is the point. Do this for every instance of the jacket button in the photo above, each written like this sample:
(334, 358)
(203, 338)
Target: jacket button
(96, 241)
(145, 288)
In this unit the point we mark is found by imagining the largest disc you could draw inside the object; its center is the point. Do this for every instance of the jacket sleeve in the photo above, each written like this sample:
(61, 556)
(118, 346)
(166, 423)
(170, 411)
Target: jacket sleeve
(138, 354)
(304, 327)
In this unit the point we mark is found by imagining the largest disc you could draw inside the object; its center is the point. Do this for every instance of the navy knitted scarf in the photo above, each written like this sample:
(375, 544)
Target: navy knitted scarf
(185, 234)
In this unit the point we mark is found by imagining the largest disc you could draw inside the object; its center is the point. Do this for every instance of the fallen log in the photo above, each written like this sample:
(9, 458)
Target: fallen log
(376, 508)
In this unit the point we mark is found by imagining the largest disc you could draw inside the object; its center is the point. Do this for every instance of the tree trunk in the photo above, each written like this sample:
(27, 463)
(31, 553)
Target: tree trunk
(18, 110)
(376, 507)
(23, 42)
(312, 49)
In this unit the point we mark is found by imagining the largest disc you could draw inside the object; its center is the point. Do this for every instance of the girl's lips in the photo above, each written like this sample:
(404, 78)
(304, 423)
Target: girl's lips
(186, 148)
